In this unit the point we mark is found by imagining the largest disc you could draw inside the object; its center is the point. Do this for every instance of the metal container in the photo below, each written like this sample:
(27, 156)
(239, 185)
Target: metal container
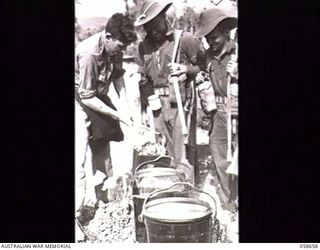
(173, 216)
(154, 102)
(149, 176)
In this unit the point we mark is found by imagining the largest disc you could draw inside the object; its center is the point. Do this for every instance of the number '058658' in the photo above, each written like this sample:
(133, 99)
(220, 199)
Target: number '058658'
(308, 245)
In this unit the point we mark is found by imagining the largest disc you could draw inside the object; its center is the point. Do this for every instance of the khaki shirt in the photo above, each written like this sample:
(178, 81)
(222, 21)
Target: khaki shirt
(154, 63)
(218, 69)
(93, 67)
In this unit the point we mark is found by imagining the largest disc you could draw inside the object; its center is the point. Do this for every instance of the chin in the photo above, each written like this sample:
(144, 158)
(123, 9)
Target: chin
(112, 53)
(213, 49)
(157, 38)
(216, 50)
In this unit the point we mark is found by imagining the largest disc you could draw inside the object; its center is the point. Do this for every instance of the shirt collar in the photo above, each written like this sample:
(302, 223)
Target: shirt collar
(101, 42)
(230, 46)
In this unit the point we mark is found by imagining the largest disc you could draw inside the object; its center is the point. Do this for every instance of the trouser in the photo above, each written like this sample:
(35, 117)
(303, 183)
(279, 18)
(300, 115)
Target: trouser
(218, 147)
(86, 162)
(168, 123)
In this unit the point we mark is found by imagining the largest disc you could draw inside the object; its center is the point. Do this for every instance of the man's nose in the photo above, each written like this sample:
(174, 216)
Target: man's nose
(212, 42)
(154, 32)
(121, 46)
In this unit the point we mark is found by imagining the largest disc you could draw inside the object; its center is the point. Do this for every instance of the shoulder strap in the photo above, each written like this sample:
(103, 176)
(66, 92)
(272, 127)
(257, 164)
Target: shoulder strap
(177, 36)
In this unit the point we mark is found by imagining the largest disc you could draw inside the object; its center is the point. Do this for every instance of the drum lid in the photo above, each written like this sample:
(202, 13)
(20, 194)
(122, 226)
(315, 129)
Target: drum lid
(177, 209)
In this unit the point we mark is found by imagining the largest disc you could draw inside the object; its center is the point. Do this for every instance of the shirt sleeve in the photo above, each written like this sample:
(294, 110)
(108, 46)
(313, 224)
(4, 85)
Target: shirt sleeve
(140, 60)
(88, 73)
(196, 56)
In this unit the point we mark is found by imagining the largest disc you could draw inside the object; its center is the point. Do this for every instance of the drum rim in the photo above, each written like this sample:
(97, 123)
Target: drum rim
(188, 200)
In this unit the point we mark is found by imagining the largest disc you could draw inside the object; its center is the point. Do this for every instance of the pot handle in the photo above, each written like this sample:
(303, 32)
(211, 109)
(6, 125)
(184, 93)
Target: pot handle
(151, 161)
(140, 217)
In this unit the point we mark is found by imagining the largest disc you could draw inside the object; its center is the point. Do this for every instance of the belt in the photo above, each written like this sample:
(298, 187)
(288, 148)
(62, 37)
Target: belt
(161, 91)
(221, 102)
(221, 107)
(221, 99)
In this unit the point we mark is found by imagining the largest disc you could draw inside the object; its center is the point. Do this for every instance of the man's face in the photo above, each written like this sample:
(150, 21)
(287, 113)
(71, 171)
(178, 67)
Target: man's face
(216, 39)
(113, 46)
(156, 28)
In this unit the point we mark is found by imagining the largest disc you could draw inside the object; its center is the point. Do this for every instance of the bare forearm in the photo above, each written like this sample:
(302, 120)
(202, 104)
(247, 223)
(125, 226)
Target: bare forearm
(192, 71)
(119, 86)
(96, 104)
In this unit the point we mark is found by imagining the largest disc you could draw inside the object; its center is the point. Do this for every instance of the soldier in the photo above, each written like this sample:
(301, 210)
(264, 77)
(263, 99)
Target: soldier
(98, 62)
(156, 69)
(214, 25)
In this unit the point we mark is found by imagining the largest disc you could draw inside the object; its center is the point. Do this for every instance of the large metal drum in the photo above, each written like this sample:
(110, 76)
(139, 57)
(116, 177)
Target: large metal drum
(149, 176)
(173, 216)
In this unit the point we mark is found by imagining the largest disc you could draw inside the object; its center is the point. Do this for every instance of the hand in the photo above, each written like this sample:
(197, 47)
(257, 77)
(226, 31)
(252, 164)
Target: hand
(177, 69)
(200, 78)
(144, 118)
(234, 89)
(232, 68)
(143, 79)
(181, 79)
(126, 120)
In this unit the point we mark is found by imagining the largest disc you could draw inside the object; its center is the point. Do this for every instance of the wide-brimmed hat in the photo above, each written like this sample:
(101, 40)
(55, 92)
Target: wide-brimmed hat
(210, 18)
(150, 9)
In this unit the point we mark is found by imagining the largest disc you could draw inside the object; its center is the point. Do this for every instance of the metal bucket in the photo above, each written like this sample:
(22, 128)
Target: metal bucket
(149, 176)
(178, 216)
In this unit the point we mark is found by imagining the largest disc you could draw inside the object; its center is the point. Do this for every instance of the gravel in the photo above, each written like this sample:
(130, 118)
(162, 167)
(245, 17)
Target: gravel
(113, 222)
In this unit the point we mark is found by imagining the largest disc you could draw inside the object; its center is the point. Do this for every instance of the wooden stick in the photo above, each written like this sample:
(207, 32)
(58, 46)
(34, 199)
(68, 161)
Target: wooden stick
(229, 131)
(177, 91)
(229, 121)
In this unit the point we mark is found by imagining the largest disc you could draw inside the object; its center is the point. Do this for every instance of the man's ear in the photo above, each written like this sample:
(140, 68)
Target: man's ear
(108, 36)
(228, 34)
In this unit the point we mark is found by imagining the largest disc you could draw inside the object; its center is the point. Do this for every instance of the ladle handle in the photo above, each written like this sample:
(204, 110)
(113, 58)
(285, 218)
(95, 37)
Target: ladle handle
(140, 217)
